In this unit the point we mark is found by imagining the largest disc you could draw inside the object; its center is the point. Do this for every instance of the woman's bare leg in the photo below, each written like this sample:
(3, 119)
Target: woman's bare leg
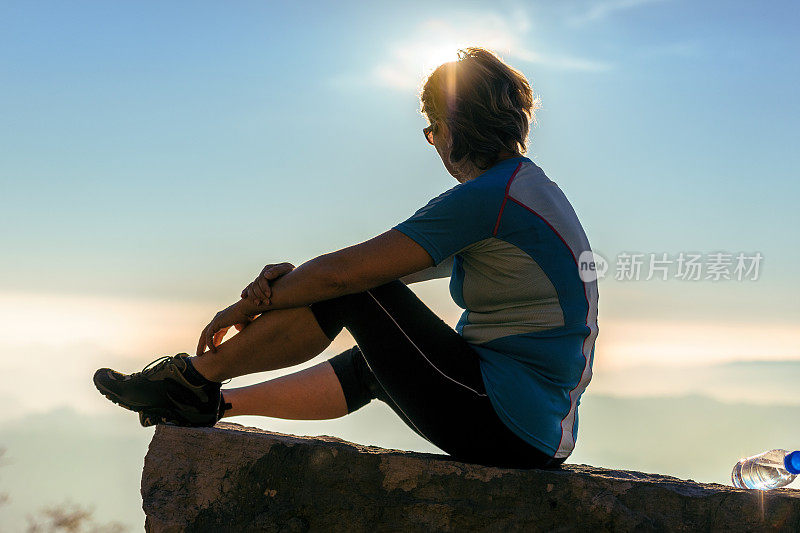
(310, 394)
(276, 339)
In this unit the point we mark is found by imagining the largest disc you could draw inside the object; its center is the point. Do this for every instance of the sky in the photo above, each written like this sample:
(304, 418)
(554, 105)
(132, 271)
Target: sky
(163, 153)
(155, 156)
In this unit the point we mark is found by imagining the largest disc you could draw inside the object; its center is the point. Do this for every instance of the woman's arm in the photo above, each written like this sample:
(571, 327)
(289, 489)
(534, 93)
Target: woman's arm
(389, 256)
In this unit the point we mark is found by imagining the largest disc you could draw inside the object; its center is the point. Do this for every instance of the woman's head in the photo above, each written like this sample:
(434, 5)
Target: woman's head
(479, 109)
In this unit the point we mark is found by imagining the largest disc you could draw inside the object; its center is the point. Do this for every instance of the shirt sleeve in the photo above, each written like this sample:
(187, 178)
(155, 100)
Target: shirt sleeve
(443, 270)
(457, 218)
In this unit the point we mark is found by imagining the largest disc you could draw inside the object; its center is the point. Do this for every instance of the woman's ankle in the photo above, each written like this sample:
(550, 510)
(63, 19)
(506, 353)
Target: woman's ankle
(201, 366)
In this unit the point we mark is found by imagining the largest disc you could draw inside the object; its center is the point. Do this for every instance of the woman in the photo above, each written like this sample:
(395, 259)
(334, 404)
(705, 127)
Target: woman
(503, 388)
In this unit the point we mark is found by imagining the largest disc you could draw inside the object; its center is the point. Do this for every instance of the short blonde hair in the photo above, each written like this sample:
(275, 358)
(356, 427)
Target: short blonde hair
(486, 104)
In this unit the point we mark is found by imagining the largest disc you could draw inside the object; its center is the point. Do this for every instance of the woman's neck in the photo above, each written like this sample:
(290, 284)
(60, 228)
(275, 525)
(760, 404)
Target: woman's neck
(507, 155)
(467, 172)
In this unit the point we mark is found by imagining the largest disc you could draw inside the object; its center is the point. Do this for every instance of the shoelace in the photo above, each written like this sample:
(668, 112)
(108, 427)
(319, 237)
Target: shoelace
(160, 362)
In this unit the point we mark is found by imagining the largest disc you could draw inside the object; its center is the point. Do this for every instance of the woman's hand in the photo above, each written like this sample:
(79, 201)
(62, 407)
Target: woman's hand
(259, 291)
(214, 332)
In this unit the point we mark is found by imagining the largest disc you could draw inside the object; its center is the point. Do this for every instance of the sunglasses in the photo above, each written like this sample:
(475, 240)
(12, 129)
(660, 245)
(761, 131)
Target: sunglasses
(428, 132)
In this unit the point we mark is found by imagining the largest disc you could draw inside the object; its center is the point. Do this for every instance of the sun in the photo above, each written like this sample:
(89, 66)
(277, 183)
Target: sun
(408, 65)
(433, 56)
(437, 40)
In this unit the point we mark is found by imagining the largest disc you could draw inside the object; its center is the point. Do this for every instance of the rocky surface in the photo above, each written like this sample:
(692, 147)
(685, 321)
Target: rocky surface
(237, 478)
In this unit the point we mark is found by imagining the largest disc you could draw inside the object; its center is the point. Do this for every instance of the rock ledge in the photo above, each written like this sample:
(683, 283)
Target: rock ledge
(237, 478)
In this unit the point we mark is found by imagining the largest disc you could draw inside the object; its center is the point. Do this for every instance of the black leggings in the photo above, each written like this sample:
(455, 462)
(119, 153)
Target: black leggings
(425, 371)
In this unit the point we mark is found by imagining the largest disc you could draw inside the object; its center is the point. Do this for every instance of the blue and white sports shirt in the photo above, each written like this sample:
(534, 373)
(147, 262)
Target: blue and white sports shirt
(515, 241)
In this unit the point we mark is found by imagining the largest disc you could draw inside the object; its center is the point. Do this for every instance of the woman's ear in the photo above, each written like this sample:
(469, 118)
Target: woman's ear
(442, 137)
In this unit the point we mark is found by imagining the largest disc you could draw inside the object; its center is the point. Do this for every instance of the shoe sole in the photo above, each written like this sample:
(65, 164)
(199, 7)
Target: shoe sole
(153, 417)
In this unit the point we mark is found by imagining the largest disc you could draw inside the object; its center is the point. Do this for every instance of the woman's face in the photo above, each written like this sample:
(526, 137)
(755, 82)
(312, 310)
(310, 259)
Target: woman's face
(441, 141)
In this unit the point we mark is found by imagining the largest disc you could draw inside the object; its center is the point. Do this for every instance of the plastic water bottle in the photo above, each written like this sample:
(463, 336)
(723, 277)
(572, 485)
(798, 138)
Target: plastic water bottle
(767, 470)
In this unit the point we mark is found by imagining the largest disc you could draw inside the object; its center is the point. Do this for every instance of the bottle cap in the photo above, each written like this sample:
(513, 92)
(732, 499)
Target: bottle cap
(792, 462)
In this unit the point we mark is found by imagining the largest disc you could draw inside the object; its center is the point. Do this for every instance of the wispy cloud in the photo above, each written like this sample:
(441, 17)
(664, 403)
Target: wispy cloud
(437, 40)
(603, 8)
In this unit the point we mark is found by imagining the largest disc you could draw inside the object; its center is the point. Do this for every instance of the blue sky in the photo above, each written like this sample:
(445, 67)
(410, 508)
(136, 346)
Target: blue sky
(166, 151)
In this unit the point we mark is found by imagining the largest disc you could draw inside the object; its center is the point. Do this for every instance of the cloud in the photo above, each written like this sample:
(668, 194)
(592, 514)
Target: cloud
(436, 40)
(603, 8)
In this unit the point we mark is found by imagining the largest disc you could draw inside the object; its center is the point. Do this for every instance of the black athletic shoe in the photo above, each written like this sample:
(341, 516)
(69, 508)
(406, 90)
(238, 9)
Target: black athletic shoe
(170, 392)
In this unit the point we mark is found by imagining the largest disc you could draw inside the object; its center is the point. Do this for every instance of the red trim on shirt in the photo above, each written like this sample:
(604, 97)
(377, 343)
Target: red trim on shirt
(505, 198)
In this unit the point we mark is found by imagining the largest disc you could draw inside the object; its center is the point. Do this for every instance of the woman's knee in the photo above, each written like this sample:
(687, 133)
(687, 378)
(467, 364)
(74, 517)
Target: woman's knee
(338, 313)
(358, 384)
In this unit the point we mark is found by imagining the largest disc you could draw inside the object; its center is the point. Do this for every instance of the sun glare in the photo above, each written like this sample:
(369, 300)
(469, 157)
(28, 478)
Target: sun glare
(435, 56)
(437, 41)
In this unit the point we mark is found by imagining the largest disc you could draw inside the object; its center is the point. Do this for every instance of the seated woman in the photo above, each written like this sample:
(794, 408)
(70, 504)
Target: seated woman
(501, 389)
